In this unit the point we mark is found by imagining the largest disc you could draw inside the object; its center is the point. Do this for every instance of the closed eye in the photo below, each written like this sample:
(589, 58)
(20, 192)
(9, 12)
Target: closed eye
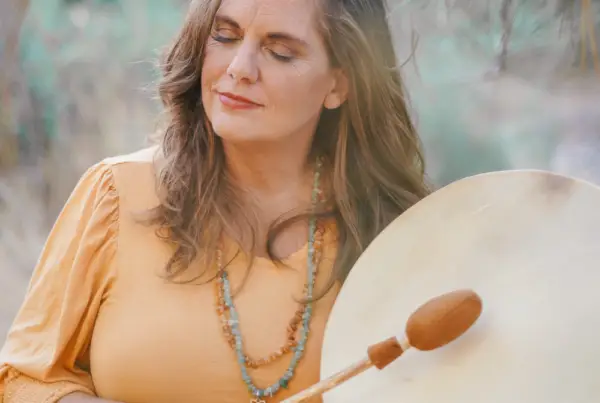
(224, 35)
(228, 31)
(281, 52)
(281, 58)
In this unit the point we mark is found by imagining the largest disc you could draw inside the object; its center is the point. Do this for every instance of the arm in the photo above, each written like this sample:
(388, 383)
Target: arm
(46, 348)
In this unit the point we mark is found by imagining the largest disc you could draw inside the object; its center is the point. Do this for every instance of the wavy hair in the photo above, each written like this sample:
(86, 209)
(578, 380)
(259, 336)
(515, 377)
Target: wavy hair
(371, 152)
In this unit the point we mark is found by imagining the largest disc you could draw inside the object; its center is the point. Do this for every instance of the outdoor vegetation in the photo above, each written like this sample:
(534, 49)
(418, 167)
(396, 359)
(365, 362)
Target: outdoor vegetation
(494, 84)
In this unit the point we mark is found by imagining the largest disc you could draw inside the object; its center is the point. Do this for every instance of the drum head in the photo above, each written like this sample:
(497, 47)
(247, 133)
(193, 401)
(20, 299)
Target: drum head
(528, 242)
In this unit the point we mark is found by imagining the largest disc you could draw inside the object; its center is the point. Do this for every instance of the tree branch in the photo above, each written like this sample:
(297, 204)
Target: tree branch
(506, 19)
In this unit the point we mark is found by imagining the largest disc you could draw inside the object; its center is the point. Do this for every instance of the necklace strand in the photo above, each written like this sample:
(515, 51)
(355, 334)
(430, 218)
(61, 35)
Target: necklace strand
(292, 329)
(230, 319)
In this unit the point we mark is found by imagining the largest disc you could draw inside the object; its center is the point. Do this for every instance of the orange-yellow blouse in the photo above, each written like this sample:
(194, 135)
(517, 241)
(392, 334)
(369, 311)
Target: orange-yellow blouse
(99, 318)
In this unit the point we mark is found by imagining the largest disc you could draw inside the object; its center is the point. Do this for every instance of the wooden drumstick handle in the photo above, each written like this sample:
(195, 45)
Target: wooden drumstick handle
(379, 356)
(434, 324)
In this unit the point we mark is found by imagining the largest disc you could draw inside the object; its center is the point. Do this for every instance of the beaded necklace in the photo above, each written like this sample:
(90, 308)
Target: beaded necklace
(230, 320)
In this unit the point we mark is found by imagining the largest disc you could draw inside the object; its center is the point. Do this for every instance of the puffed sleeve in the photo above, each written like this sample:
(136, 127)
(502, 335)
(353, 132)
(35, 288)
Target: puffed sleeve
(46, 351)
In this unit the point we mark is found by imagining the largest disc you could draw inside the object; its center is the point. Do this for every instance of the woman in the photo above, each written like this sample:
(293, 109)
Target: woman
(289, 148)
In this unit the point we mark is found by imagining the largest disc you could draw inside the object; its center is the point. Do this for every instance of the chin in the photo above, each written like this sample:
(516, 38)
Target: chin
(241, 129)
(234, 131)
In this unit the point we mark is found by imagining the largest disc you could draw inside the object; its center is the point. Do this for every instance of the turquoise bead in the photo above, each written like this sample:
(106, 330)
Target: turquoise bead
(299, 350)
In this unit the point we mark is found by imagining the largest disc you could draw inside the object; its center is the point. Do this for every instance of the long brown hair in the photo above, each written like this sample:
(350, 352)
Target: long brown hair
(369, 146)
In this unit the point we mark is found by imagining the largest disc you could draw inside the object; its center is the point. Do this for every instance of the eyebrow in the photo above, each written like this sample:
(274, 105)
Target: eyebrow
(282, 36)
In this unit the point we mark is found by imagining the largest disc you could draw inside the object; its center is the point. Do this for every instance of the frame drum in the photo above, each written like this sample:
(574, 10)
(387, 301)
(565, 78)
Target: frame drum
(528, 242)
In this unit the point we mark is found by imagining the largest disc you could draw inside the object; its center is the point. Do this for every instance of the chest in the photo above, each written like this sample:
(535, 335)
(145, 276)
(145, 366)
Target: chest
(159, 342)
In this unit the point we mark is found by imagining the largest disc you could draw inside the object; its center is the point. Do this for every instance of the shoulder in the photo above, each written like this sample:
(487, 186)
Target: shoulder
(142, 160)
(134, 176)
(143, 157)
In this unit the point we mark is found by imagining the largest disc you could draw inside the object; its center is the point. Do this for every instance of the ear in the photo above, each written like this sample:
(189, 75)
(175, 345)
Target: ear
(339, 90)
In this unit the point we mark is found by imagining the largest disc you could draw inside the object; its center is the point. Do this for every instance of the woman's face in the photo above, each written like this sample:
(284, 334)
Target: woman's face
(266, 73)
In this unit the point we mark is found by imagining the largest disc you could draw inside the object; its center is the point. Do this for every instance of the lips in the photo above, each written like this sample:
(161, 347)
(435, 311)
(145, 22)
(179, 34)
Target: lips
(234, 99)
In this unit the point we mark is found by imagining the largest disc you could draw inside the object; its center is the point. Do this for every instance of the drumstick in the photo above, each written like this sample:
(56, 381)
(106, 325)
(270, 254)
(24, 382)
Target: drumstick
(434, 324)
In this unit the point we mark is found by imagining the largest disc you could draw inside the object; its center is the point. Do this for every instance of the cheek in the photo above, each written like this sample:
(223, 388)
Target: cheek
(214, 66)
(216, 62)
(301, 89)
(210, 67)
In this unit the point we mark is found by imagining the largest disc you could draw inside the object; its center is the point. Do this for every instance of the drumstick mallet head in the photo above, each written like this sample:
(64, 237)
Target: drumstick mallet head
(434, 324)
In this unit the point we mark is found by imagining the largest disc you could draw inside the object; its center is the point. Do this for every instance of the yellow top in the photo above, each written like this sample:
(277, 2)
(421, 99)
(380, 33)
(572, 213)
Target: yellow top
(98, 318)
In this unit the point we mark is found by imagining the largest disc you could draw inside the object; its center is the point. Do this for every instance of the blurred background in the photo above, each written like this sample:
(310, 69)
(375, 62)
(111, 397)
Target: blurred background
(494, 84)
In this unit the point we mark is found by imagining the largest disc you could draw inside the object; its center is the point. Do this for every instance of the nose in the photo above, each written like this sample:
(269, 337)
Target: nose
(243, 67)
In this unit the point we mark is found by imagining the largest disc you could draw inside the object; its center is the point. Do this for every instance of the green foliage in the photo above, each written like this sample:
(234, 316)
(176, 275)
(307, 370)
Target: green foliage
(454, 83)
(58, 33)
(449, 79)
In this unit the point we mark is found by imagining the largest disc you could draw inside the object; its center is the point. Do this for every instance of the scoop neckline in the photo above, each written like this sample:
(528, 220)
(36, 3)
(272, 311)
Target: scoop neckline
(298, 254)
(265, 260)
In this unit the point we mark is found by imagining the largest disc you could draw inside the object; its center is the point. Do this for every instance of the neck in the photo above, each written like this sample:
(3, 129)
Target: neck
(268, 169)
(275, 180)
